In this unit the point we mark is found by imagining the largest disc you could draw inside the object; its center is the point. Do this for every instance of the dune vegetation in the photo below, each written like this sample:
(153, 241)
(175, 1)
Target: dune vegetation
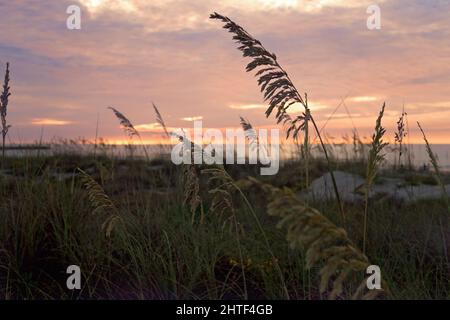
(141, 227)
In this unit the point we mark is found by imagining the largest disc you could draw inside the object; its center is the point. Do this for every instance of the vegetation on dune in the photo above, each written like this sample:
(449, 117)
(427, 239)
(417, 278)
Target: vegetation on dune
(148, 229)
(159, 251)
(4, 100)
(375, 158)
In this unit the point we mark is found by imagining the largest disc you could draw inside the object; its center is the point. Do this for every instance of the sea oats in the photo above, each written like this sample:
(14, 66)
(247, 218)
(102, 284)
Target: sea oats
(400, 135)
(125, 123)
(222, 201)
(4, 100)
(253, 140)
(375, 158)
(280, 92)
(437, 171)
(324, 243)
(191, 188)
(129, 128)
(273, 80)
(160, 120)
(101, 203)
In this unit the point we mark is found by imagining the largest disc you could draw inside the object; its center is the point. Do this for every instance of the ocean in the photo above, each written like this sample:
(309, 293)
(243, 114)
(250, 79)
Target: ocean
(415, 154)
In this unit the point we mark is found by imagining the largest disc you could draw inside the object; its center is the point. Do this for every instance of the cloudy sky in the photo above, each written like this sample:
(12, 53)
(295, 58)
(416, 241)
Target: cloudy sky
(130, 53)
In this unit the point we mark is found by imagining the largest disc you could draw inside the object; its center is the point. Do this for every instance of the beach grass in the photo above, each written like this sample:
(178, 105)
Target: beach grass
(157, 250)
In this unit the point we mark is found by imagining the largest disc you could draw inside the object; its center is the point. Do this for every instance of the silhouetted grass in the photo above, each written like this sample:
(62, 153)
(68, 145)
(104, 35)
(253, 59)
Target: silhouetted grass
(159, 252)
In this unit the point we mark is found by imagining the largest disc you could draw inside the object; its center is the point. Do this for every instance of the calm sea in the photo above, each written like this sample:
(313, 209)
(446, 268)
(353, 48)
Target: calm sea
(415, 153)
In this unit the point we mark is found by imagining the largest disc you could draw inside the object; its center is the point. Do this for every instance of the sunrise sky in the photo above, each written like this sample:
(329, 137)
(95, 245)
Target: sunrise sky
(130, 53)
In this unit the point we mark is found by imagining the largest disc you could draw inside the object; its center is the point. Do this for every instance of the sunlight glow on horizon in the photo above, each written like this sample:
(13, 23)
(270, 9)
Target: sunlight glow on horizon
(295, 108)
(415, 139)
(192, 119)
(96, 6)
(50, 122)
(364, 99)
(247, 106)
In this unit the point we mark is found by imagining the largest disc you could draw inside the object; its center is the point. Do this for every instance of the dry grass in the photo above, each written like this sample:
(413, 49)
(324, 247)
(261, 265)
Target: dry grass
(4, 100)
(437, 170)
(221, 191)
(253, 141)
(375, 158)
(160, 120)
(129, 128)
(323, 242)
(126, 124)
(227, 186)
(400, 135)
(158, 264)
(443, 222)
(191, 188)
(101, 203)
(280, 92)
(155, 252)
(278, 89)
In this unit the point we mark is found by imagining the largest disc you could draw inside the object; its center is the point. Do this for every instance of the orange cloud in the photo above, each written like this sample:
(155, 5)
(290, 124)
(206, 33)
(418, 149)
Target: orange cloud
(190, 119)
(148, 127)
(247, 106)
(96, 6)
(363, 99)
(50, 122)
(329, 55)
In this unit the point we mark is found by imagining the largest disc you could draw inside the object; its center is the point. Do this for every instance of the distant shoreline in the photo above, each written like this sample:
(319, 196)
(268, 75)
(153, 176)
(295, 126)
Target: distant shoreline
(28, 147)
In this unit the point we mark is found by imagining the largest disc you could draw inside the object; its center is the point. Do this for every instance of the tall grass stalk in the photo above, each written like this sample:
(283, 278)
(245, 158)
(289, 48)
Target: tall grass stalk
(278, 90)
(41, 137)
(223, 202)
(128, 127)
(220, 173)
(323, 242)
(101, 203)
(255, 148)
(400, 135)
(375, 158)
(96, 136)
(306, 143)
(191, 187)
(4, 99)
(409, 148)
(438, 177)
(160, 120)
(437, 170)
